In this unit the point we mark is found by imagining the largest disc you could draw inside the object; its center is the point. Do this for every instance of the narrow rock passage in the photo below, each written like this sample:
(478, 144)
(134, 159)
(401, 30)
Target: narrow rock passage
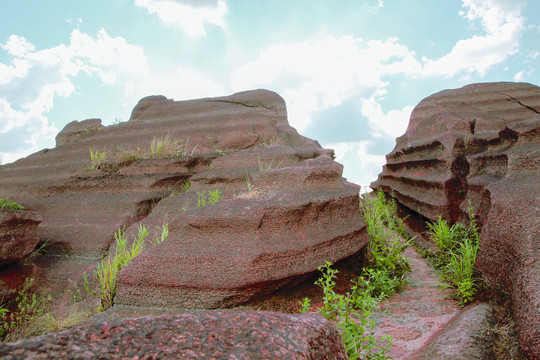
(415, 315)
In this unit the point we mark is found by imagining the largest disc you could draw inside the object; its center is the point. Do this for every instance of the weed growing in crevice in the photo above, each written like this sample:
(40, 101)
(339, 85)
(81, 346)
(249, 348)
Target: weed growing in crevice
(269, 166)
(357, 330)
(160, 148)
(23, 320)
(387, 264)
(383, 275)
(7, 204)
(107, 272)
(456, 258)
(209, 197)
(96, 159)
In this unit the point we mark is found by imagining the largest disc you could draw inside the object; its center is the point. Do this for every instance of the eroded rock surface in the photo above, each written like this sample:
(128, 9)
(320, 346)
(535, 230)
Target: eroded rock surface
(480, 144)
(18, 234)
(197, 335)
(285, 208)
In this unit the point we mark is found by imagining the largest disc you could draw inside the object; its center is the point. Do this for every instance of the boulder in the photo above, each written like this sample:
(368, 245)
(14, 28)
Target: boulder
(479, 146)
(197, 335)
(284, 210)
(18, 234)
(465, 337)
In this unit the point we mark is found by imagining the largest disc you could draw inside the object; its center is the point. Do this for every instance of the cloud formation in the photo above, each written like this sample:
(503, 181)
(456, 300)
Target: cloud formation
(502, 23)
(190, 15)
(33, 78)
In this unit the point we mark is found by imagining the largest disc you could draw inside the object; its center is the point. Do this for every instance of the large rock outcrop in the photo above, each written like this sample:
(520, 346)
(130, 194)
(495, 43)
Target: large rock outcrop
(197, 335)
(18, 234)
(284, 210)
(480, 145)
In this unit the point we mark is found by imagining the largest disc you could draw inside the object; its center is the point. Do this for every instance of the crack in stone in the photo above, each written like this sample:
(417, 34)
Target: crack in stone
(520, 103)
(243, 104)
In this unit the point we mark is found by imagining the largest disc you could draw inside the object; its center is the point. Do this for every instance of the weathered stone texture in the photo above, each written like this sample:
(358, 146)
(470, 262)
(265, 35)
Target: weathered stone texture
(18, 234)
(480, 145)
(299, 213)
(197, 335)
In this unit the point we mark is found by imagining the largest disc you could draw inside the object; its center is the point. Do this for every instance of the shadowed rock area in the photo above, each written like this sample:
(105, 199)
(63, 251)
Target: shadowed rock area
(18, 234)
(479, 145)
(197, 335)
(283, 206)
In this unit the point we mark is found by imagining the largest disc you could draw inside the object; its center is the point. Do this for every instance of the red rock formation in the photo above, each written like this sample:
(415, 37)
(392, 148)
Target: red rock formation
(299, 212)
(197, 335)
(18, 234)
(480, 144)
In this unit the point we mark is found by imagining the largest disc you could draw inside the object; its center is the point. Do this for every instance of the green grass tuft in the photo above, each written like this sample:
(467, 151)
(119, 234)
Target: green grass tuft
(456, 258)
(107, 272)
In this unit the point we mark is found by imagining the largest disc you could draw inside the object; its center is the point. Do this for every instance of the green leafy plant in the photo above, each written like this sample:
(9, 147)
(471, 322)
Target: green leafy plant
(357, 330)
(385, 257)
(23, 321)
(96, 159)
(456, 258)
(209, 197)
(7, 204)
(107, 272)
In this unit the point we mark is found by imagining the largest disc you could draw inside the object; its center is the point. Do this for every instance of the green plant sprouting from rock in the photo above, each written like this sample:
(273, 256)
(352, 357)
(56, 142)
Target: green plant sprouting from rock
(209, 197)
(383, 276)
(107, 272)
(456, 257)
(7, 204)
(22, 321)
(97, 157)
(160, 148)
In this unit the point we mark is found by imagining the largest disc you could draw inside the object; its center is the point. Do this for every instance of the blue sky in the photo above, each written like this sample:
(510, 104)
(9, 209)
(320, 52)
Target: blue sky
(351, 71)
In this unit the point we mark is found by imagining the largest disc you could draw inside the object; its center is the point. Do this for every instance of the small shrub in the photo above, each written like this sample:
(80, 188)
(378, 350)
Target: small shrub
(7, 204)
(357, 330)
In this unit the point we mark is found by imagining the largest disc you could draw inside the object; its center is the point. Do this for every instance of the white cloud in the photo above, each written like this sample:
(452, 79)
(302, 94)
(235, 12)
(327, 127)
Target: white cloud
(313, 76)
(519, 76)
(179, 84)
(190, 16)
(34, 78)
(503, 25)
(393, 123)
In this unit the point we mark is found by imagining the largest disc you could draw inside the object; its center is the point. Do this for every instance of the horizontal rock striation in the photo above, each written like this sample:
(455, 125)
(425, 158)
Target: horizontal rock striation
(198, 335)
(18, 234)
(479, 146)
(284, 207)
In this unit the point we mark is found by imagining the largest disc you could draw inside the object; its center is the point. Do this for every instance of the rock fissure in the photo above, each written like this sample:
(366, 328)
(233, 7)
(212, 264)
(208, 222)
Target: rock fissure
(522, 104)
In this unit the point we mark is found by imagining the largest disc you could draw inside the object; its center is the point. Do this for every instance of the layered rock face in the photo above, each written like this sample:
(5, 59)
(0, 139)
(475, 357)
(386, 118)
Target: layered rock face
(479, 146)
(198, 335)
(280, 207)
(18, 234)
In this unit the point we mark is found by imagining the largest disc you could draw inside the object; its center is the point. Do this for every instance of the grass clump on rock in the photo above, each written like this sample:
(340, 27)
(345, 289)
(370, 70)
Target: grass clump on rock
(107, 272)
(456, 258)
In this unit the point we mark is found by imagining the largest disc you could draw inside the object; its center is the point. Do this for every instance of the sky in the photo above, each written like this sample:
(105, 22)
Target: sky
(350, 71)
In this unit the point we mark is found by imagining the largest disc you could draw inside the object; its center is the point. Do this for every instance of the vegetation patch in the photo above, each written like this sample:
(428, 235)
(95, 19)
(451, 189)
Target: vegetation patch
(456, 257)
(160, 148)
(21, 318)
(107, 272)
(7, 204)
(383, 275)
